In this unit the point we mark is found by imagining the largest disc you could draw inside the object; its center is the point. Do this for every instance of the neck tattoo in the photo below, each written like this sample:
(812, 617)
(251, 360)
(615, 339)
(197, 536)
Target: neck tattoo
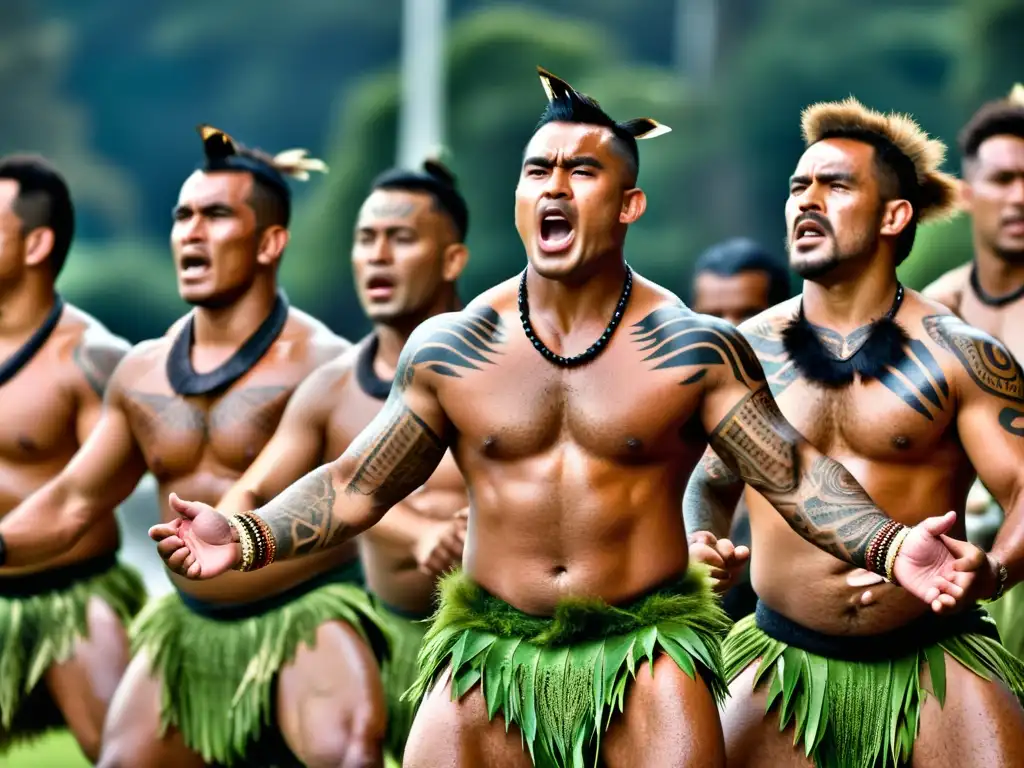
(594, 349)
(992, 301)
(13, 364)
(883, 347)
(183, 377)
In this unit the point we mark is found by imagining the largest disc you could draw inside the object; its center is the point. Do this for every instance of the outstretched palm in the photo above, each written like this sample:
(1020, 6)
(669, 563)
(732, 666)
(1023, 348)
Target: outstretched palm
(199, 544)
(925, 566)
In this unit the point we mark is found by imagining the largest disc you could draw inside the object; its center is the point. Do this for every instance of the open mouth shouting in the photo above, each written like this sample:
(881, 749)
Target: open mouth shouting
(809, 234)
(556, 230)
(380, 288)
(194, 265)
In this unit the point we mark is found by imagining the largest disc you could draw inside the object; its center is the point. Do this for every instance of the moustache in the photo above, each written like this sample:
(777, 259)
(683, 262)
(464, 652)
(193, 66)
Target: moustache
(817, 218)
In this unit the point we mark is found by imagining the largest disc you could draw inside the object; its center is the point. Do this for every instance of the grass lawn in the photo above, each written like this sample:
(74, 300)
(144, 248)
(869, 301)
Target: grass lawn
(56, 750)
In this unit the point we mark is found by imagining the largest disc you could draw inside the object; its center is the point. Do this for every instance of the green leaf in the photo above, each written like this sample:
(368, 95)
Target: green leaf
(616, 651)
(680, 655)
(497, 664)
(816, 673)
(768, 661)
(937, 671)
(791, 666)
(775, 689)
(464, 682)
(644, 646)
(526, 658)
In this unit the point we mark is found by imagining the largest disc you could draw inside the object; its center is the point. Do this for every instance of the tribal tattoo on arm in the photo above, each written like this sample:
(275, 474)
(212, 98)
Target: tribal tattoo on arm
(97, 363)
(398, 451)
(711, 496)
(817, 496)
(990, 365)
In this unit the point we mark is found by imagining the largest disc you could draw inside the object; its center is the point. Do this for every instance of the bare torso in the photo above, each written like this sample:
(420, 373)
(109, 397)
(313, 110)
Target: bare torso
(1005, 323)
(391, 571)
(199, 446)
(896, 436)
(576, 475)
(41, 421)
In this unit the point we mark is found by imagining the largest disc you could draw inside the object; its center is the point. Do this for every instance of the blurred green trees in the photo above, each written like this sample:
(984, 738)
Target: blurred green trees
(113, 91)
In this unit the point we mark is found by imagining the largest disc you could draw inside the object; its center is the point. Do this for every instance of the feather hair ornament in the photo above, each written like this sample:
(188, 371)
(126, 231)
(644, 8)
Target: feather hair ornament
(639, 128)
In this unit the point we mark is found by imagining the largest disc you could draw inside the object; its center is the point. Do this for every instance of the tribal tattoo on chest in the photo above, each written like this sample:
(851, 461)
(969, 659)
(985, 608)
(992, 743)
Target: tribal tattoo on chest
(676, 337)
(257, 407)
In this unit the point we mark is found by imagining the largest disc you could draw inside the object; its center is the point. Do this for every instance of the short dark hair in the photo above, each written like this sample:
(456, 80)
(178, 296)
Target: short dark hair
(995, 118)
(436, 180)
(270, 199)
(43, 201)
(740, 254)
(579, 108)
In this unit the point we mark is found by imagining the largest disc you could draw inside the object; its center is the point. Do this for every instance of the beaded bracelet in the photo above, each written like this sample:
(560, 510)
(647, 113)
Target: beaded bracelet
(893, 553)
(884, 546)
(258, 544)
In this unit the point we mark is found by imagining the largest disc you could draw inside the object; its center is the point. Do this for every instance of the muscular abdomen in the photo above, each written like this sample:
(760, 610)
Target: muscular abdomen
(569, 524)
(810, 586)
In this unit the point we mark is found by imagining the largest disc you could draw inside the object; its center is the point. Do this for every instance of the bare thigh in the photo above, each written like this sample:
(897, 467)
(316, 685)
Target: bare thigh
(450, 734)
(131, 735)
(982, 724)
(83, 686)
(669, 720)
(331, 707)
(752, 738)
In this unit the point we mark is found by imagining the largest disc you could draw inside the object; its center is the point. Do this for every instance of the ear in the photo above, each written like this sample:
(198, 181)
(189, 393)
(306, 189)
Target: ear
(454, 261)
(896, 217)
(966, 195)
(38, 245)
(634, 203)
(272, 245)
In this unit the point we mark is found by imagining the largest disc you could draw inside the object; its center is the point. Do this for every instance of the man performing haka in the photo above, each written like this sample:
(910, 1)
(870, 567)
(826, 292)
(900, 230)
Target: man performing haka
(575, 443)
(912, 400)
(408, 252)
(988, 292)
(735, 280)
(63, 645)
(194, 408)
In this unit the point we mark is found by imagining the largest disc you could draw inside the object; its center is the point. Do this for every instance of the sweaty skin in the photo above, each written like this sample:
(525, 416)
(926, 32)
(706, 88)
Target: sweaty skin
(47, 412)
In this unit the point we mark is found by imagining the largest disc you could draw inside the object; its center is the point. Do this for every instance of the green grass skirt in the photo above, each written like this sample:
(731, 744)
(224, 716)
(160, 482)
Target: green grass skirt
(1008, 611)
(40, 630)
(399, 673)
(219, 675)
(862, 714)
(560, 679)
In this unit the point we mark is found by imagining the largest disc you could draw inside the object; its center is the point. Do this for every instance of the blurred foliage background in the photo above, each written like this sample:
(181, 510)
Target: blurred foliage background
(112, 91)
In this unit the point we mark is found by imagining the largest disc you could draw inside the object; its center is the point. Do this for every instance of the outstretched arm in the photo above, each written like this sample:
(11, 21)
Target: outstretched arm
(102, 474)
(393, 456)
(989, 387)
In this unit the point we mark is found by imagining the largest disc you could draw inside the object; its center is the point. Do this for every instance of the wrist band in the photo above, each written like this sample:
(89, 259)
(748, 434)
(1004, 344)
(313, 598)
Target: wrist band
(877, 558)
(257, 542)
(894, 551)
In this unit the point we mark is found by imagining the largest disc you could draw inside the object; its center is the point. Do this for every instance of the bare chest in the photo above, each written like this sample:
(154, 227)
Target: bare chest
(37, 416)
(353, 411)
(904, 416)
(613, 408)
(178, 435)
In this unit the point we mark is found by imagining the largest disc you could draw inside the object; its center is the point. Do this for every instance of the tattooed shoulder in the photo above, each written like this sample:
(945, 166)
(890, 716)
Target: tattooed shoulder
(988, 363)
(676, 337)
(453, 345)
(96, 357)
(764, 334)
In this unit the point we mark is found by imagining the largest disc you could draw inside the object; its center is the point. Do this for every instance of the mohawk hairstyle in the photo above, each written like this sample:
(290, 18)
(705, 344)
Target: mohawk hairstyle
(567, 105)
(995, 118)
(272, 197)
(435, 179)
(908, 159)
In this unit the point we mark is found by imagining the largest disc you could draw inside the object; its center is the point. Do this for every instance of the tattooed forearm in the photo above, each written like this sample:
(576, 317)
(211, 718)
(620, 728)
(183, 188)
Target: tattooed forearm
(304, 518)
(711, 497)
(819, 498)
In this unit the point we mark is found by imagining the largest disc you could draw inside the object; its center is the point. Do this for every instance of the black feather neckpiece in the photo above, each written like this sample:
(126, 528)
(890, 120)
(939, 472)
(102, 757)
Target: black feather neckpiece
(884, 347)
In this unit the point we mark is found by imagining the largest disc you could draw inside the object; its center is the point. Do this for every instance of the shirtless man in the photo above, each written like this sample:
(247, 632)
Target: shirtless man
(63, 645)
(408, 252)
(194, 408)
(988, 292)
(575, 439)
(735, 280)
(912, 400)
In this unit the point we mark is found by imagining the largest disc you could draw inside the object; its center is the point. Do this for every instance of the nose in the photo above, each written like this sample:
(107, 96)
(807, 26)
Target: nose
(380, 252)
(557, 186)
(1016, 196)
(192, 229)
(809, 201)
